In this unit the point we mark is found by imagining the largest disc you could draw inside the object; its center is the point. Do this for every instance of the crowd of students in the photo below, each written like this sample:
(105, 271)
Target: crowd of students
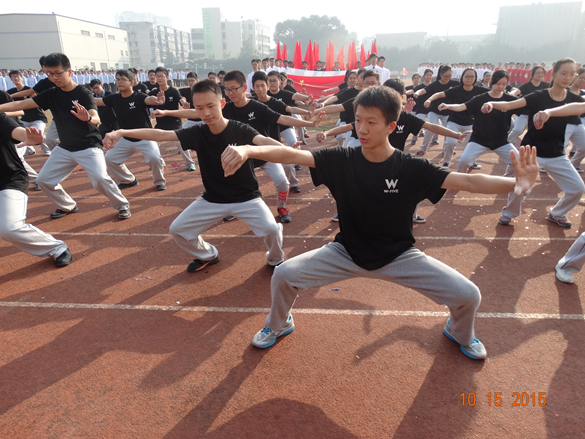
(236, 123)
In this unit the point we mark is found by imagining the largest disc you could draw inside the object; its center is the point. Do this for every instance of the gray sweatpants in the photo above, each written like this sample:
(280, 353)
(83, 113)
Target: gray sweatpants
(429, 135)
(39, 125)
(574, 260)
(413, 269)
(187, 228)
(473, 150)
(61, 163)
(124, 149)
(450, 142)
(290, 138)
(276, 173)
(16, 231)
(52, 136)
(32, 174)
(565, 176)
(520, 125)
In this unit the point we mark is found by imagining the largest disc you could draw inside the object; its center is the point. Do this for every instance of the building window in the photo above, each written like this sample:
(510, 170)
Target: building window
(250, 27)
(121, 53)
(92, 65)
(86, 33)
(223, 25)
(125, 39)
(98, 35)
(117, 66)
(111, 37)
(103, 66)
(224, 46)
(126, 53)
(223, 35)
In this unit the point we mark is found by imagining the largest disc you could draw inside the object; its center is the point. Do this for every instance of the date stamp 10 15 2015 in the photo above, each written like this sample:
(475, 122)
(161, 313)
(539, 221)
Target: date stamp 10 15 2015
(518, 399)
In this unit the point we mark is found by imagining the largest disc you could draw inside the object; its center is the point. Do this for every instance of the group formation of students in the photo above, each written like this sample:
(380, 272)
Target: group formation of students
(238, 125)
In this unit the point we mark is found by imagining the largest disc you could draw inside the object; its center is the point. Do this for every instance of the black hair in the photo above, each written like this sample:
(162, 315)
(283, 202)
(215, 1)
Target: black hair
(235, 75)
(499, 74)
(212, 73)
(259, 76)
(534, 69)
(395, 84)
(360, 71)
(272, 73)
(347, 73)
(381, 58)
(192, 75)
(557, 66)
(443, 69)
(162, 69)
(427, 71)
(373, 73)
(387, 100)
(221, 72)
(463, 74)
(416, 74)
(151, 71)
(56, 60)
(13, 72)
(128, 73)
(42, 60)
(207, 85)
(94, 82)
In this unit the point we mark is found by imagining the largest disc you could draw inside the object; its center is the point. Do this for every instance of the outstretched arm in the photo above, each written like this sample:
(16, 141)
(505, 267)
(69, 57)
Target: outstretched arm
(434, 97)
(504, 106)
(294, 122)
(442, 131)
(28, 136)
(187, 114)
(143, 134)
(334, 132)
(452, 107)
(574, 109)
(23, 93)
(234, 157)
(18, 105)
(525, 168)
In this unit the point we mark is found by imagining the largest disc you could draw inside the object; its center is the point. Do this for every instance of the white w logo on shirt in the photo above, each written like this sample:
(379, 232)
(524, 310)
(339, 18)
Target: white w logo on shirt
(251, 116)
(391, 183)
(399, 128)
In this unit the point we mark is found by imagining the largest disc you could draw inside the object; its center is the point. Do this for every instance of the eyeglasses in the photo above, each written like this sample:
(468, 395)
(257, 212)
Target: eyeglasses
(122, 79)
(273, 81)
(370, 84)
(233, 90)
(55, 74)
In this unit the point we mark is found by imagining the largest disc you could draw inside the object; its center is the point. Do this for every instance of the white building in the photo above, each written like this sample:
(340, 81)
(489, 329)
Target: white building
(26, 37)
(152, 44)
(143, 16)
(219, 38)
(258, 34)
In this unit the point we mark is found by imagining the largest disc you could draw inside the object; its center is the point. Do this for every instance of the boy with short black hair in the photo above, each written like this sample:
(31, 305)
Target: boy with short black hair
(75, 113)
(236, 195)
(107, 115)
(372, 185)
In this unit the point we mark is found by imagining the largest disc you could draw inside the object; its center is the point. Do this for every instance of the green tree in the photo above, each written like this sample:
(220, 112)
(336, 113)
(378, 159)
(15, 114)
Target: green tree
(318, 28)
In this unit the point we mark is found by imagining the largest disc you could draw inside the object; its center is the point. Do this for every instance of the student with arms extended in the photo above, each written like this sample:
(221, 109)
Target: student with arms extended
(377, 188)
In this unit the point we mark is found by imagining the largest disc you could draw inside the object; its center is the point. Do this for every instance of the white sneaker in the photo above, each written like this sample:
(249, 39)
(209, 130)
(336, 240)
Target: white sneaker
(565, 275)
(475, 350)
(266, 337)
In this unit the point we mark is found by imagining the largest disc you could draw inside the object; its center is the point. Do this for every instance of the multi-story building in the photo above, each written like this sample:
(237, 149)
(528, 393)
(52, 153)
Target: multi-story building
(218, 38)
(26, 37)
(153, 44)
(258, 34)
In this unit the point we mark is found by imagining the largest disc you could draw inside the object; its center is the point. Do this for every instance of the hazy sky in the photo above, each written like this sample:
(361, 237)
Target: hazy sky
(456, 17)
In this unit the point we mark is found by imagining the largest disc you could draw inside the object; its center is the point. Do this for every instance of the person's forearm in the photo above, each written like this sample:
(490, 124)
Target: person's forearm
(294, 122)
(274, 154)
(440, 130)
(296, 110)
(438, 95)
(339, 130)
(574, 109)
(22, 93)
(507, 106)
(187, 114)
(15, 113)
(331, 100)
(481, 184)
(147, 134)
(300, 97)
(455, 107)
(12, 106)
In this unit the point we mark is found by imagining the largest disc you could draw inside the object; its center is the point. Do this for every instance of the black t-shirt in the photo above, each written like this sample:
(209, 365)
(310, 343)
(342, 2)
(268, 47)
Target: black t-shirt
(349, 111)
(342, 86)
(42, 85)
(491, 129)
(376, 201)
(187, 94)
(4, 99)
(106, 114)
(74, 134)
(132, 111)
(345, 95)
(31, 114)
(526, 89)
(141, 88)
(172, 98)
(237, 188)
(290, 88)
(12, 172)
(284, 96)
(419, 107)
(550, 140)
(458, 95)
(437, 87)
(573, 120)
(150, 87)
(407, 124)
(278, 107)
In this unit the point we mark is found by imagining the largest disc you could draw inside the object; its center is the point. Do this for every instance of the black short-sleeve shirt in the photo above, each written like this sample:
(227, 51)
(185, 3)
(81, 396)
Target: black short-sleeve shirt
(550, 140)
(376, 201)
(237, 188)
(345, 95)
(419, 107)
(407, 124)
(490, 129)
(140, 87)
(132, 112)
(187, 94)
(284, 96)
(32, 114)
(278, 107)
(437, 87)
(106, 114)
(74, 134)
(42, 85)
(12, 172)
(529, 87)
(172, 98)
(458, 95)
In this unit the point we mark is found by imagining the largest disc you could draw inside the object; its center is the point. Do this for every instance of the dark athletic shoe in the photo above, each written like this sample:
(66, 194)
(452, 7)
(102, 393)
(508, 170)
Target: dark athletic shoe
(297, 167)
(124, 214)
(198, 264)
(123, 186)
(335, 217)
(161, 187)
(63, 259)
(284, 215)
(295, 189)
(229, 218)
(61, 213)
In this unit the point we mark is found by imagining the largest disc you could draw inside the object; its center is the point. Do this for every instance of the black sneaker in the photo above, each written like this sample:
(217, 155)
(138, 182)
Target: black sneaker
(297, 167)
(198, 264)
(124, 214)
(295, 189)
(61, 213)
(63, 259)
(229, 218)
(335, 217)
(161, 187)
(123, 186)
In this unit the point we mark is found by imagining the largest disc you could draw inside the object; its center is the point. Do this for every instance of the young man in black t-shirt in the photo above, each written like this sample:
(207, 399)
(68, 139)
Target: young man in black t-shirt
(188, 103)
(237, 194)
(75, 113)
(108, 121)
(132, 110)
(377, 188)
(13, 196)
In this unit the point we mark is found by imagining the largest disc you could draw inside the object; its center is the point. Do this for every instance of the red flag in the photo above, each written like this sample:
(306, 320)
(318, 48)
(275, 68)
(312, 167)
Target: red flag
(375, 47)
(298, 56)
(341, 59)
(404, 71)
(315, 55)
(368, 55)
(284, 52)
(278, 54)
(309, 56)
(362, 55)
(352, 56)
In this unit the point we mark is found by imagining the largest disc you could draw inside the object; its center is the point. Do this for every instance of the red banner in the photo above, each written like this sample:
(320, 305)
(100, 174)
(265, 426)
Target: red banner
(314, 82)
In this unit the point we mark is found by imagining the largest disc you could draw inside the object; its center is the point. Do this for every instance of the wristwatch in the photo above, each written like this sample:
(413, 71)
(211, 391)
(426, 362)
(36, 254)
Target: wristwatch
(89, 120)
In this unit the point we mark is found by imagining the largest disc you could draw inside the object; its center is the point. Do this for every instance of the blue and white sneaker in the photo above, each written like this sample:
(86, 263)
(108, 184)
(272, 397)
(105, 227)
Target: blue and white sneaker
(266, 337)
(475, 350)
